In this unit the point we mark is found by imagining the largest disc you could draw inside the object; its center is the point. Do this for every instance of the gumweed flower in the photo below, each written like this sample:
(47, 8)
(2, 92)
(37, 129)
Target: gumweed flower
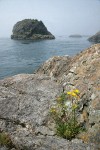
(76, 91)
(73, 94)
(69, 93)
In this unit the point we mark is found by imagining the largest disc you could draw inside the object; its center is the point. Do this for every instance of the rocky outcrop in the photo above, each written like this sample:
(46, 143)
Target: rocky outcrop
(24, 113)
(82, 72)
(95, 38)
(56, 67)
(75, 36)
(30, 29)
(25, 101)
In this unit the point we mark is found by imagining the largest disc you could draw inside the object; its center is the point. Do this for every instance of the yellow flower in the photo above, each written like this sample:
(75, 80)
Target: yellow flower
(76, 91)
(73, 94)
(69, 93)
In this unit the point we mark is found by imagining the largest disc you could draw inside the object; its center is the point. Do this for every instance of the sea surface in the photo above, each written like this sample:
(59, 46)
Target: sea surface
(27, 56)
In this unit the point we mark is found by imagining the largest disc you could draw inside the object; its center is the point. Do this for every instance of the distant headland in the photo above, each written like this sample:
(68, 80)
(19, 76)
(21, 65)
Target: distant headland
(75, 36)
(30, 29)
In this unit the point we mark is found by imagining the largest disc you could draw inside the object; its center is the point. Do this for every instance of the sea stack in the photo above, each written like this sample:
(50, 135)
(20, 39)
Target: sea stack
(30, 29)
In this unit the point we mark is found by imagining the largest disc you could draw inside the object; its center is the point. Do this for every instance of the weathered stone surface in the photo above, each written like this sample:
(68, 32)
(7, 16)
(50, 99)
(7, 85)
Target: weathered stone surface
(30, 29)
(95, 38)
(82, 72)
(52, 143)
(55, 67)
(27, 98)
(25, 101)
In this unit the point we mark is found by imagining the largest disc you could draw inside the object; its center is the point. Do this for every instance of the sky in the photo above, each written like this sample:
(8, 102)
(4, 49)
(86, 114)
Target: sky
(61, 17)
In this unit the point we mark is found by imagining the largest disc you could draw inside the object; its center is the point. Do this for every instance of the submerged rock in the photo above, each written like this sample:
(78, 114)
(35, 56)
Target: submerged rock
(95, 38)
(25, 101)
(30, 29)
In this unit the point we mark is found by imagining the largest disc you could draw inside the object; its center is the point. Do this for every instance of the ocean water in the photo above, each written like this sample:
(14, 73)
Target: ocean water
(27, 56)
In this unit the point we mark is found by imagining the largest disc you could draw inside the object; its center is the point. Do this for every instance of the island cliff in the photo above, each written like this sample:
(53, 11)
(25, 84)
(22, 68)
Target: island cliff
(30, 29)
(25, 102)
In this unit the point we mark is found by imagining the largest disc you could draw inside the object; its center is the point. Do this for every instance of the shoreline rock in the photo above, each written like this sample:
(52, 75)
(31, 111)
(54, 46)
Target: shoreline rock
(25, 100)
(95, 38)
(30, 29)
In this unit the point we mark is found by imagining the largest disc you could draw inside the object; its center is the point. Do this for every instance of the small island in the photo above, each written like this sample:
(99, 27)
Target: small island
(95, 38)
(75, 36)
(30, 29)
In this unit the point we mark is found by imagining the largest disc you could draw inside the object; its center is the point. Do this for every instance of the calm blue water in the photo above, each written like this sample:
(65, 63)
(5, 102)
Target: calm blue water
(26, 56)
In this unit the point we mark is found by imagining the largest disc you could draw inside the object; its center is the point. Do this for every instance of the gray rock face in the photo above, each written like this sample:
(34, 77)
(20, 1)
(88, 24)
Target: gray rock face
(25, 101)
(24, 113)
(27, 98)
(30, 29)
(55, 67)
(95, 38)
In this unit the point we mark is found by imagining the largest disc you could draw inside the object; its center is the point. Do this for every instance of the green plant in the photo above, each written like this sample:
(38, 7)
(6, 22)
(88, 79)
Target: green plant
(5, 140)
(64, 114)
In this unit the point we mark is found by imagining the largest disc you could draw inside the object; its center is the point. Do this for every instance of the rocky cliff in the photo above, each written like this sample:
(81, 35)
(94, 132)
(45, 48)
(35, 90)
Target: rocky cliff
(25, 101)
(95, 38)
(30, 29)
